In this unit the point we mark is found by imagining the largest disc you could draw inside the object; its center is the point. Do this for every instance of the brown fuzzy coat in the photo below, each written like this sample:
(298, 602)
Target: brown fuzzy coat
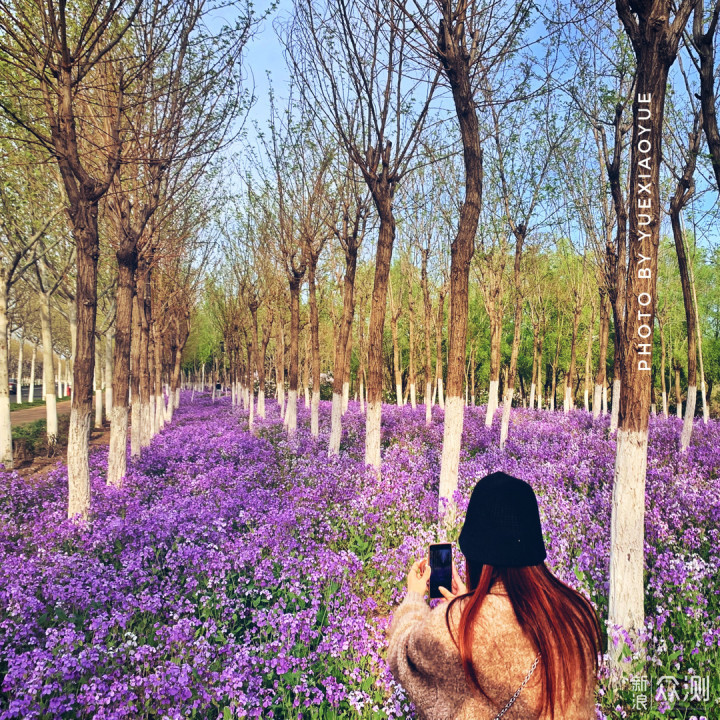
(425, 661)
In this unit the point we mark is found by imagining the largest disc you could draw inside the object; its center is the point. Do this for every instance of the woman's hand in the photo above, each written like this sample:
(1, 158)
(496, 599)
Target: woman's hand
(458, 587)
(419, 576)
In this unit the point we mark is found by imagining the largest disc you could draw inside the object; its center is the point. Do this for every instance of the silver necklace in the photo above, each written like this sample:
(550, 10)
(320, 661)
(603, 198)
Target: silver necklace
(511, 701)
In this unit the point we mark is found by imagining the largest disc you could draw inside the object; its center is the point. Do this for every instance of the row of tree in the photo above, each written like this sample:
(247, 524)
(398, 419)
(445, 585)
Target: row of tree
(114, 112)
(552, 139)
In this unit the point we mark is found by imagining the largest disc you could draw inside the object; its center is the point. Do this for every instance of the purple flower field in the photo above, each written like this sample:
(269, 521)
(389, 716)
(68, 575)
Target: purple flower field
(243, 574)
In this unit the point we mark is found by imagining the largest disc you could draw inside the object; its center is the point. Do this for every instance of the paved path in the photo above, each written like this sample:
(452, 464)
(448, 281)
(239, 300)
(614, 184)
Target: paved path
(20, 417)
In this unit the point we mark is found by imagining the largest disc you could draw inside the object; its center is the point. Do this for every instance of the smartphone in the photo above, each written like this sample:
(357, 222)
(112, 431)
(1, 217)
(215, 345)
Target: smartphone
(440, 568)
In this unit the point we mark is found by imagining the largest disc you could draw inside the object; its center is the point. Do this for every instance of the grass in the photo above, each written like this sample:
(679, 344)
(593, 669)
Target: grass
(25, 405)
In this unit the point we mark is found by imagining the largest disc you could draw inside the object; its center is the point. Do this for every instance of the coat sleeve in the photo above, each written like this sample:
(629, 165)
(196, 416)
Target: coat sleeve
(421, 661)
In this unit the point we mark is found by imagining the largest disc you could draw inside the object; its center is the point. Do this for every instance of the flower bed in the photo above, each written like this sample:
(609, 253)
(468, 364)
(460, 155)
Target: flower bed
(242, 574)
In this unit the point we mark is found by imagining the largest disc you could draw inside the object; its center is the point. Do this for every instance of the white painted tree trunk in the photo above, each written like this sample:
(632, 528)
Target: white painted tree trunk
(706, 409)
(587, 400)
(567, 400)
(251, 415)
(136, 429)
(653, 409)
(604, 400)
(492, 402)
(48, 368)
(689, 415)
(281, 399)
(627, 534)
(20, 369)
(6, 451)
(615, 405)
(335, 425)
(413, 396)
(108, 374)
(77, 463)
(678, 409)
(98, 392)
(146, 420)
(362, 397)
(532, 395)
(597, 401)
(346, 396)
(450, 462)
(428, 403)
(315, 414)
(398, 394)
(261, 404)
(117, 455)
(176, 399)
(505, 424)
(441, 396)
(372, 434)
(33, 359)
(307, 397)
(291, 413)
(159, 412)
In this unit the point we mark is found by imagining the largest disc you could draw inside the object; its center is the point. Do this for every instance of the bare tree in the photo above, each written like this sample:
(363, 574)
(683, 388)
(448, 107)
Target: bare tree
(655, 35)
(349, 231)
(352, 59)
(64, 59)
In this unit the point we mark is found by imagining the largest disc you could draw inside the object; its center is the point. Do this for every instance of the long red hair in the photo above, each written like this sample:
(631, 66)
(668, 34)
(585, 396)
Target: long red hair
(560, 622)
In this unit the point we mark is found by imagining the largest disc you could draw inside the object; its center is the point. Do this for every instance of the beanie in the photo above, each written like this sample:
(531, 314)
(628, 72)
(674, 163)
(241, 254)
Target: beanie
(502, 524)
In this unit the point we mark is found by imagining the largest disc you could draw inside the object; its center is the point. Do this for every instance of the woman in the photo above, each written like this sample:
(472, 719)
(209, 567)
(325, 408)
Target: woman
(518, 643)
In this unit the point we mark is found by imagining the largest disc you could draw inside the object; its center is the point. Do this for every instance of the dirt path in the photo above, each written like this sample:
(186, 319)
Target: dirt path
(20, 417)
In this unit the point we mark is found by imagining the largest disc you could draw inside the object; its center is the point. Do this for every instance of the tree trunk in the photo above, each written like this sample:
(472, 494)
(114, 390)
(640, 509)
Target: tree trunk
(382, 196)
(280, 367)
(588, 360)
(6, 450)
(315, 348)
(394, 317)
(555, 365)
(601, 376)
(535, 363)
(457, 68)
(569, 399)
(655, 44)
(135, 356)
(20, 368)
(109, 336)
(85, 231)
(662, 370)
(97, 387)
(540, 370)
(617, 386)
(426, 328)
(412, 381)
(145, 376)
(159, 408)
(291, 415)
(33, 359)
(683, 192)
(48, 369)
(346, 377)
(520, 232)
(495, 338)
(438, 349)
(678, 393)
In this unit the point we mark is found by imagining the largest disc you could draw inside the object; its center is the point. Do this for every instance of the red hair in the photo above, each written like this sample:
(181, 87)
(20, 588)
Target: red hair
(560, 622)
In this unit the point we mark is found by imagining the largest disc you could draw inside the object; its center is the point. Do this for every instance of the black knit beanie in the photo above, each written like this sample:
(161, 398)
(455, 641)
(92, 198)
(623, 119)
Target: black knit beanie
(502, 525)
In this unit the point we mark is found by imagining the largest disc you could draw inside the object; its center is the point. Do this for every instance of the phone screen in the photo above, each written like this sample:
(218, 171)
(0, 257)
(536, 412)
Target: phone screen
(440, 568)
